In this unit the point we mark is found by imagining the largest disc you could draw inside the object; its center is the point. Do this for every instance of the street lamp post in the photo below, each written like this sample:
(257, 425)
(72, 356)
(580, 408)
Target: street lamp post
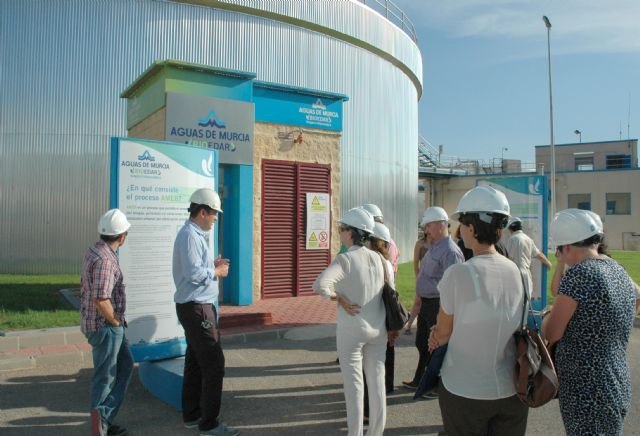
(579, 133)
(547, 24)
(502, 150)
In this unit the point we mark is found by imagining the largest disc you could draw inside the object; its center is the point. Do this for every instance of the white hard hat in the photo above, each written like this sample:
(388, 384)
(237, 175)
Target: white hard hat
(113, 223)
(208, 197)
(482, 200)
(573, 225)
(381, 232)
(433, 214)
(358, 218)
(373, 210)
(514, 220)
(597, 219)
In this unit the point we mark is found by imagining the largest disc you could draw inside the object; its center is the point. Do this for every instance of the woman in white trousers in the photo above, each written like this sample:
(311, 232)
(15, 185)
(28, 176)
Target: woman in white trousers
(355, 278)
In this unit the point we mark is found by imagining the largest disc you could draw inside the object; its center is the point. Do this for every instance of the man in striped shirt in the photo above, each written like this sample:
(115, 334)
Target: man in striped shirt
(103, 303)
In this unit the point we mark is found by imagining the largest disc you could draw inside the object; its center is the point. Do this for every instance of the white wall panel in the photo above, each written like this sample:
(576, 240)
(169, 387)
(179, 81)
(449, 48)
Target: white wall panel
(64, 63)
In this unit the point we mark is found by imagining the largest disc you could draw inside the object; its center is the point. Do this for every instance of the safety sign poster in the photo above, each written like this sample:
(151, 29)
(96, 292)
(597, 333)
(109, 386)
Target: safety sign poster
(318, 235)
(151, 182)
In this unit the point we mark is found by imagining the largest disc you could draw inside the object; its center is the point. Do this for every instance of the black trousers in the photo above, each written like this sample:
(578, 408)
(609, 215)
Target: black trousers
(465, 416)
(426, 319)
(203, 364)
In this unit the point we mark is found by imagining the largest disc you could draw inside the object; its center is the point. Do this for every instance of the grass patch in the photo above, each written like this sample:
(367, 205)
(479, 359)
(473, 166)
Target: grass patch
(630, 260)
(33, 302)
(406, 282)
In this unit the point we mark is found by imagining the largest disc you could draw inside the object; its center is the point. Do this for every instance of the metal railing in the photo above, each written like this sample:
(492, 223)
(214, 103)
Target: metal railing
(430, 160)
(394, 14)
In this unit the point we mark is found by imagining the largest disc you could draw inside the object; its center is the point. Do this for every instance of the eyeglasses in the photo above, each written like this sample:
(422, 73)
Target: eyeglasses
(212, 212)
(559, 249)
(343, 228)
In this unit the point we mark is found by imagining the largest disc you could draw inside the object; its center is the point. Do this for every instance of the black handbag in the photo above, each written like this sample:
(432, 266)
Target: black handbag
(397, 314)
(535, 374)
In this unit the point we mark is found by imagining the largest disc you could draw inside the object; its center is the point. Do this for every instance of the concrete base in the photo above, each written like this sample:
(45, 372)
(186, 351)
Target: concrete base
(164, 379)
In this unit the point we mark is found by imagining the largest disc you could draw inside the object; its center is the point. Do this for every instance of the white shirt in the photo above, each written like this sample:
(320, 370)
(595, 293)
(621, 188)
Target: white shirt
(521, 249)
(480, 360)
(358, 275)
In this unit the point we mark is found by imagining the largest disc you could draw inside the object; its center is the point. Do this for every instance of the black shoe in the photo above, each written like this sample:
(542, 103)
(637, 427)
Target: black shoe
(430, 395)
(116, 430)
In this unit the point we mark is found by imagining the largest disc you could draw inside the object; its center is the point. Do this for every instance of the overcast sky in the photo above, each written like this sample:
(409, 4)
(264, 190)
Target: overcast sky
(486, 78)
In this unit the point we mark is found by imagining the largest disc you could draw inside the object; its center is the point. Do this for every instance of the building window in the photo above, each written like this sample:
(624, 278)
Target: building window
(619, 204)
(617, 161)
(584, 163)
(580, 201)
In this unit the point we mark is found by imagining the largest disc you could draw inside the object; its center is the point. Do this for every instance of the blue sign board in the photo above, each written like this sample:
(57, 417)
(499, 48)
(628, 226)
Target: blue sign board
(284, 106)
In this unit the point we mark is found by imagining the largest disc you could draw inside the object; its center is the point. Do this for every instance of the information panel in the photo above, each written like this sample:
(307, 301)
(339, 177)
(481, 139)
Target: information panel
(318, 233)
(527, 196)
(151, 182)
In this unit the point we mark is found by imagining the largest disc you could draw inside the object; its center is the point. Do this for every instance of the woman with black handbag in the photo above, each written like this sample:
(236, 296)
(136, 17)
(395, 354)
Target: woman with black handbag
(356, 279)
(481, 304)
(590, 325)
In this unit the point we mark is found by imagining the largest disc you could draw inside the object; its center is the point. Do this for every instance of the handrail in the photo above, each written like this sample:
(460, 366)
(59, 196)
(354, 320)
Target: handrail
(394, 14)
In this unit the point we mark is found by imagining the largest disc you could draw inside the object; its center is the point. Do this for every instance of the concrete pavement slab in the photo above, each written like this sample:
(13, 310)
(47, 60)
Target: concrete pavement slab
(272, 387)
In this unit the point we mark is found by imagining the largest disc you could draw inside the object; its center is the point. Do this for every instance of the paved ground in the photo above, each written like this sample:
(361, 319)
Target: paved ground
(277, 386)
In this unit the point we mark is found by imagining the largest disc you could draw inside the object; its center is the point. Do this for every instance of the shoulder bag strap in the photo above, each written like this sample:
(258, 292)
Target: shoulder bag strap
(474, 278)
(384, 267)
(527, 301)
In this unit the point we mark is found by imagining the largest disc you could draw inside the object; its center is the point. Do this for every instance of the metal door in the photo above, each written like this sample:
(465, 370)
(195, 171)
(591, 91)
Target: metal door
(288, 269)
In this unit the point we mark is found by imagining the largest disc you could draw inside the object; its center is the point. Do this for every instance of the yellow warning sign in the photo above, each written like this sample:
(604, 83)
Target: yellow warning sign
(317, 205)
(312, 242)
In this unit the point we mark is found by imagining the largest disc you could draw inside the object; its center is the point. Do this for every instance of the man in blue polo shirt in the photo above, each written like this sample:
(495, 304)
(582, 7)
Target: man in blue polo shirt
(443, 253)
(196, 274)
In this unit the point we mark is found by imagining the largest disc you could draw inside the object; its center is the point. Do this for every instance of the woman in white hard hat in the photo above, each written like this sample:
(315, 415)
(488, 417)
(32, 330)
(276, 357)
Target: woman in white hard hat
(361, 335)
(379, 243)
(481, 303)
(591, 323)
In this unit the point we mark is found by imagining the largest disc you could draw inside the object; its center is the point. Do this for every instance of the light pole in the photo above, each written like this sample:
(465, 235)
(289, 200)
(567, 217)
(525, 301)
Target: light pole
(547, 24)
(502, 150)
(579, 133)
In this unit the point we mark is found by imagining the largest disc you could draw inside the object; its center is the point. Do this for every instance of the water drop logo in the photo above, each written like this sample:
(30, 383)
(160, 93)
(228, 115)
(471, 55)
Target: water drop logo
(211, 120)
(207, 165)
(146, 156)
(319, 105)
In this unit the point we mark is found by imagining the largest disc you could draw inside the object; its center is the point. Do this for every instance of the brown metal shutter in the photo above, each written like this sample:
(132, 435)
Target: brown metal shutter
(288, 269)
(278, 229)
(310, 263)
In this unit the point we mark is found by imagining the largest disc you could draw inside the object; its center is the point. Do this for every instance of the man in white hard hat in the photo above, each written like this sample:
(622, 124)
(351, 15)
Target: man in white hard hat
(196, 275)
(102, 305)
(443, 253)
(522, 250)
(394, 253)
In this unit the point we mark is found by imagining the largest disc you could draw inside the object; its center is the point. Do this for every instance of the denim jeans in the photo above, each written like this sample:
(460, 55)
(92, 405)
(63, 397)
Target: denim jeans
(113, 365)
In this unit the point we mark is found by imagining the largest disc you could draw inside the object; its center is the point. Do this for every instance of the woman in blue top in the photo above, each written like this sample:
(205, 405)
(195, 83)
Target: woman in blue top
(591, 323)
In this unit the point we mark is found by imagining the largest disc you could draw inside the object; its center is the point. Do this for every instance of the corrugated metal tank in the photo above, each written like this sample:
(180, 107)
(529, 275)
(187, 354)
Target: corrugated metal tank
(65, 62)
